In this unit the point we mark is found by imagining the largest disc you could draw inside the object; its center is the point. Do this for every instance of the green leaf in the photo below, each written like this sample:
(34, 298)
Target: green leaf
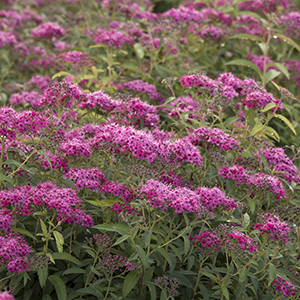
(120, 228)
(272, 273)
(66, 256)
(48, 159)
(289, 41)
(130, 282)
(230, 120)
(142, 255)
(165, 254)
(287, 122)
(6, 178)
(263, 159)
(170, 99)
(74, 271)
(139, 50)
(272, 132)
(243, 275)
(161, 71)
(268, 107)
(152, 290)
(147, 236)
(44, 228)
(59, 74)
(46, 297)
(60, 287)
(246, 221)
(225, 292)
(59, 239)
(43, 275)
(247, 36)
(270, 75)
(256, 129)
(121, 239)
(103, 203)
(24, 231)
(281, 68)
(187, 244)
(244, 62)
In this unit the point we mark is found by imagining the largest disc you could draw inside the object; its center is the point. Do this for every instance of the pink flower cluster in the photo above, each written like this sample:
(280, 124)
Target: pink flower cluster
(6, 220)
(132, 111)
(259, 61)
(279, 161)
(229, 87)
(285, 287)
(6, 296)
(86, 178)
(259, 181)
(112, 38)
(182, 199)
(48, 30)
(113, 263)
(209, 241)
(113, 187)
(78, 59)
(40, 82)
(7, 38)
(203, 136)
(143, 145)
(33, 98)
(143, 87)
(211, 32)
(25, 200)
(274, 228)
(13, 124)
(14, 252)
(211, 198)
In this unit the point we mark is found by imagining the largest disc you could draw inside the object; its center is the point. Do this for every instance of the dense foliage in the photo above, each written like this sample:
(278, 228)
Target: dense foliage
(148, 154)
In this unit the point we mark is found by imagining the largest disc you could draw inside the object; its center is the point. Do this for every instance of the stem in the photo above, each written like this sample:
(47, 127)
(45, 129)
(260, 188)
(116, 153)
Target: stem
(198, 277)
(109, 283)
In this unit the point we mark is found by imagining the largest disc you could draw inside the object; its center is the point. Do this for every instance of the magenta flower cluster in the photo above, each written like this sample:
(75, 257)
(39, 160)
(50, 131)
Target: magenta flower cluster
(14, 252)
(48, 30)
(6, 296)
(274, 228)
(26, 200)
(112, 37)
(86, 178)
(205, 137)
(282, 285)
(259, 181)
(7, 38)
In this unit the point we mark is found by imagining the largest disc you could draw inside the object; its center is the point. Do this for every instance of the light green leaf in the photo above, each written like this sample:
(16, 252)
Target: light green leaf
(230, 120)
(268, 107)
(59, 74)
(139, 50)
(60, 287)
(289, 41)
(6, 178)
(263, 159)
(287, 122)
(247, 36)
(281, 68)
(130, 282)
(187, 244)
(270, 75)
(59, 239)
(44, 228)
(246, 221)
(247, 63)
(48, 159)
(103, 203)
(256, 129)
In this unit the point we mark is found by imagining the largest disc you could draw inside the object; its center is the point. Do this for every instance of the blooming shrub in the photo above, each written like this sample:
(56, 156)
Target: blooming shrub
(149, 155)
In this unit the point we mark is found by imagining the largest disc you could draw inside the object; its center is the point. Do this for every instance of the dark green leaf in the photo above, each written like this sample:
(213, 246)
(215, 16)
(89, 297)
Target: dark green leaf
(272, 273)
(60, 287)
(43, 275)
(66, 256)
(130, 282)
(142, 255)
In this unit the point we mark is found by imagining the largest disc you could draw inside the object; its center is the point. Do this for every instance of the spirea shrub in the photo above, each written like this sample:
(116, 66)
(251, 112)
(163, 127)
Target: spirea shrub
(149, 155)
